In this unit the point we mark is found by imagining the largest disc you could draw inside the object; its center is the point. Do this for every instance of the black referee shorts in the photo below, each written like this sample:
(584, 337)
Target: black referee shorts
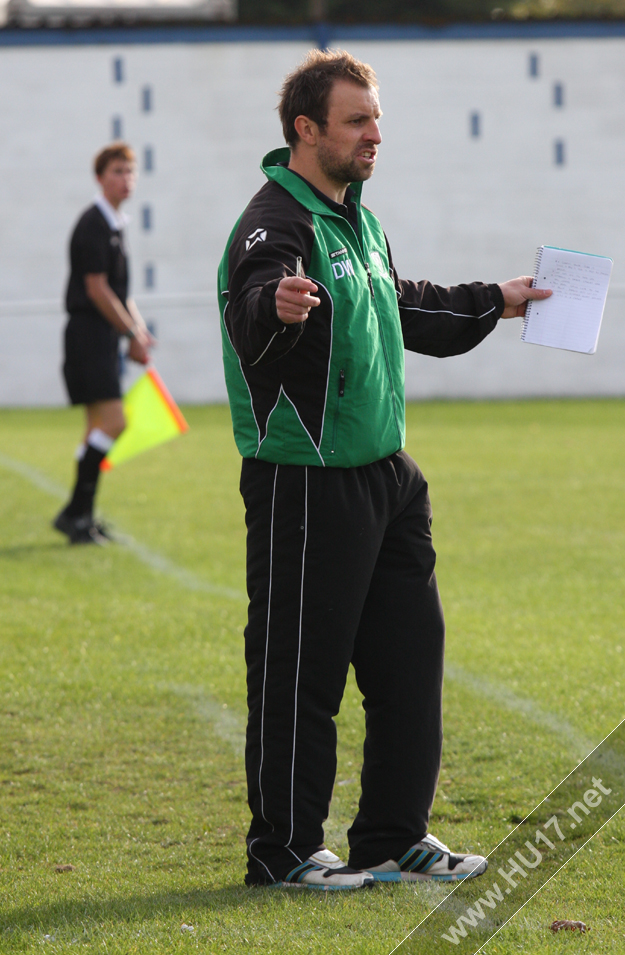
(91, 367)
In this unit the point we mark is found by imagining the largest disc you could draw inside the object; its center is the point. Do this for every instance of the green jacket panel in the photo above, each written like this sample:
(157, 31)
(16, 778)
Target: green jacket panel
(328, 391)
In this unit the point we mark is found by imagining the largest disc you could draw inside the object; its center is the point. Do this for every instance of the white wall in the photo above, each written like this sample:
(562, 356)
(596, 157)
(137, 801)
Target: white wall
(455, 207)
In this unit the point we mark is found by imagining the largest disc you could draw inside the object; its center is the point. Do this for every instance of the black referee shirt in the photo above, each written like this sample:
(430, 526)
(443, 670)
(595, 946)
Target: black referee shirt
(95, 248)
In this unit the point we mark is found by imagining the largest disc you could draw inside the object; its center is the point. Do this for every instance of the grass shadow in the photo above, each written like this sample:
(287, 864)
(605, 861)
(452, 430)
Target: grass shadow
(140, 907)
(25, 550)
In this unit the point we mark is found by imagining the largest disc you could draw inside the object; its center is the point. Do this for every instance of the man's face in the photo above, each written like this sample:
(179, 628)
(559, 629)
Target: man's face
(118, 181)
(347, 147)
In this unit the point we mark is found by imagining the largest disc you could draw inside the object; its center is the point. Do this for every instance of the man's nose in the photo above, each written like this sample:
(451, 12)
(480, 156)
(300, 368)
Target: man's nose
(373, 133)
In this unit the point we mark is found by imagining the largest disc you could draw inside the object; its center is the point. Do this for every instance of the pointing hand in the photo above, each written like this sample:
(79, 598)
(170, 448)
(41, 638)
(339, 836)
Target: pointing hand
(294, 299)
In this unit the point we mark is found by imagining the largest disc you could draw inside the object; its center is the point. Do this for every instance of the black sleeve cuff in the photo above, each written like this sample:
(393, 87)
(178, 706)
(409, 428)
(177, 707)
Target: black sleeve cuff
(268, 311)
(497, 296)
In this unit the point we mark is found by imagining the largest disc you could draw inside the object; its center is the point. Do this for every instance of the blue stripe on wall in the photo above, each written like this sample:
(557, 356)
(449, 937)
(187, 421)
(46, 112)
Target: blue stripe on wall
(319, 35)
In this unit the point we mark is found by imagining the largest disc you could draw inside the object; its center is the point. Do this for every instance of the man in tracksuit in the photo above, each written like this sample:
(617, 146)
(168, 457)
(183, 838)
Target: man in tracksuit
(340, 563)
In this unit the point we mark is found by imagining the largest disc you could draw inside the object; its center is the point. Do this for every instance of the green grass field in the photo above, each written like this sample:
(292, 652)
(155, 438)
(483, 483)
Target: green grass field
(122, 696)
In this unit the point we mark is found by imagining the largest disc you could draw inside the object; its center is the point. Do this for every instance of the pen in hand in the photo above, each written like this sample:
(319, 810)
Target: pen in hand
(290, 305)
(299, 270)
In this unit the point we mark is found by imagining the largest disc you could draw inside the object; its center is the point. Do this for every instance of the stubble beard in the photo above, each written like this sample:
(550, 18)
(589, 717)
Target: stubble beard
(340, 171)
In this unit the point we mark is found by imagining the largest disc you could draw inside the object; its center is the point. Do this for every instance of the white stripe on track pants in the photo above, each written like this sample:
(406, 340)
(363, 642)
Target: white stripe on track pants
(340, 570)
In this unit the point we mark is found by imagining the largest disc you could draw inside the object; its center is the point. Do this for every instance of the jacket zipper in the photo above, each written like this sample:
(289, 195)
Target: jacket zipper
(380, 328)
(383, 340)
(338, 409)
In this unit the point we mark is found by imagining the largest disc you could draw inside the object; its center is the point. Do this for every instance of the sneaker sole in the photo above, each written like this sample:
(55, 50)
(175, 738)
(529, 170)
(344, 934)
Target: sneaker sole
(424, 877)
(319, 888)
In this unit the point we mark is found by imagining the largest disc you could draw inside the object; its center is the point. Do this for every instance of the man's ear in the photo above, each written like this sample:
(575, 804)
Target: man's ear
(307, 130)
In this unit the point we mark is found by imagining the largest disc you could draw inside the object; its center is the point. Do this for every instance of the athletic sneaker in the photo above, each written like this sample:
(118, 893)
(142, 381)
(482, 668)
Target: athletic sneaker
(325, 871)
(80, 530)
(429, 859)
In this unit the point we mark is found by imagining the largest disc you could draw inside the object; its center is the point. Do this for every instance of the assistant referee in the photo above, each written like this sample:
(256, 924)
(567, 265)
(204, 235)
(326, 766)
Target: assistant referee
(100, 312)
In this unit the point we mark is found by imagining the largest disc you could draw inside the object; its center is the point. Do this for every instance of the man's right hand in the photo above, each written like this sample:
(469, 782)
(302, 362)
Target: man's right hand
(294, 299)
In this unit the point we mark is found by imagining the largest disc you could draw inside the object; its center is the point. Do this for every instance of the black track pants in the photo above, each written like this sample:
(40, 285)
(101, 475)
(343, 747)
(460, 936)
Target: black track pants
(340, 570)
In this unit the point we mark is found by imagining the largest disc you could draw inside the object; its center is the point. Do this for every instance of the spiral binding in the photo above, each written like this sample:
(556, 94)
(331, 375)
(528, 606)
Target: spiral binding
(528, 309)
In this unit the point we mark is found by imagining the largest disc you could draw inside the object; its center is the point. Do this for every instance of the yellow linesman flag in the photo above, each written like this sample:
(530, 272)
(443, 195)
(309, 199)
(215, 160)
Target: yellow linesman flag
(152, 417)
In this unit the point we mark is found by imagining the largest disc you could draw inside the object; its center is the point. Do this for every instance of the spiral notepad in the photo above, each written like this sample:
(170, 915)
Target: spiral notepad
(571, 317)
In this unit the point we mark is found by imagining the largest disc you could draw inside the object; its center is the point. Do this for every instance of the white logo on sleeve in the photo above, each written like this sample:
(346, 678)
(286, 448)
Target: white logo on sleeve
(259, 236)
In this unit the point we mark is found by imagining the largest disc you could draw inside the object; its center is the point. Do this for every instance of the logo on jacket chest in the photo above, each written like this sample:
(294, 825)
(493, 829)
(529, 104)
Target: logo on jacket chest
(376, 258)
(343, 268)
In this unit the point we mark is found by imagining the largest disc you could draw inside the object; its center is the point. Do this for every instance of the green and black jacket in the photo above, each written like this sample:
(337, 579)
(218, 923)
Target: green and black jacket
(329, 391)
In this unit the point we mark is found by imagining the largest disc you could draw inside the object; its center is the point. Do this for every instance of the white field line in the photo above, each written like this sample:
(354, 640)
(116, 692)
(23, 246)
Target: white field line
(35, 477)
(224, 722)
(166, 566)
(526, 707)
(618, 760)
(477, 685)
(147, 556)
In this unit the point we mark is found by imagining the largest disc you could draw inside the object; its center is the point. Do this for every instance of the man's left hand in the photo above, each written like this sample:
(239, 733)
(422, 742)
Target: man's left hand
(516, 294)
(138, 349)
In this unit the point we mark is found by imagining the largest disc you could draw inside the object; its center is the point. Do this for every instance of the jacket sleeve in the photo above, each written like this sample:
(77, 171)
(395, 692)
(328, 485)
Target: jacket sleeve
(445, 321)
(273, 232)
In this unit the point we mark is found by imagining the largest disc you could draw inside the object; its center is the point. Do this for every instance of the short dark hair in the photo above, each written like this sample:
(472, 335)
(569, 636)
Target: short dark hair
(117, 150)
(306, 91)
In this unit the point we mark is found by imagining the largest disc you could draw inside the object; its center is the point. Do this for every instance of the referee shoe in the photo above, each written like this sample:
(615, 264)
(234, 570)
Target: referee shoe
(429, 859)
(103, 529)
(80, 530)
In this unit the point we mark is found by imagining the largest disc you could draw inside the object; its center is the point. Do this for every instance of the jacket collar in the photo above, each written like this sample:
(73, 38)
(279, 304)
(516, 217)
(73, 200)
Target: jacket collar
(297, 186)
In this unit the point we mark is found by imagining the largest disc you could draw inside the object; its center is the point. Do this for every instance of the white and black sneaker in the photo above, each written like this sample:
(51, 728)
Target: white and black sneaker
(429, 859)
(323, 870)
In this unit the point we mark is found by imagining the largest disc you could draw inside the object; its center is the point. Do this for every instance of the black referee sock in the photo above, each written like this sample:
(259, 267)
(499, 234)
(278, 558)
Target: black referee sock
(88, 473)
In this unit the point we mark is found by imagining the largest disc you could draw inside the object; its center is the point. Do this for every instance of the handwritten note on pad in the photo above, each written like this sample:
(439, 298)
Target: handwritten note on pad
(571, 317)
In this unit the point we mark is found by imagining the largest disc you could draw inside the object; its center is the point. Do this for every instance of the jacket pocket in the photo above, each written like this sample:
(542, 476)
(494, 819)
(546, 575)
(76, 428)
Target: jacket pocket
(338, 409)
